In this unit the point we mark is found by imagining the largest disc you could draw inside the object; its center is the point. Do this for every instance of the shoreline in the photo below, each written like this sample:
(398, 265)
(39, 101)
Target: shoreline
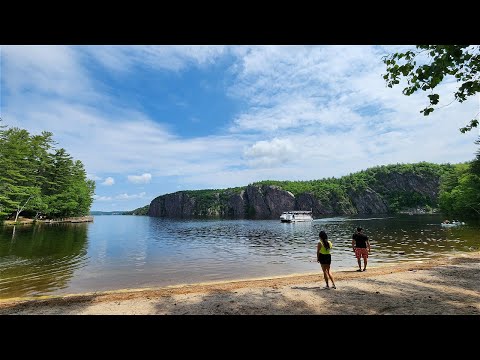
(28, 221)
(444, 285)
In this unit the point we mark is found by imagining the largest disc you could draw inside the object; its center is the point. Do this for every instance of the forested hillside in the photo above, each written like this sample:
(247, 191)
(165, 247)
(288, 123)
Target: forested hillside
(380, 189)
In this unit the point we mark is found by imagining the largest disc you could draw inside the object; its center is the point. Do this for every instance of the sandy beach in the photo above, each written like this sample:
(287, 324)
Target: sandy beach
(449, 285)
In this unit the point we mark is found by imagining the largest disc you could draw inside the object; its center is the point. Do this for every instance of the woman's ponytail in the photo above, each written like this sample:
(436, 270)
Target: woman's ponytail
(324, 237)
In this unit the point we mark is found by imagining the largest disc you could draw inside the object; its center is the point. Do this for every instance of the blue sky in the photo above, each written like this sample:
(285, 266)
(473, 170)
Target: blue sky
(151, 120)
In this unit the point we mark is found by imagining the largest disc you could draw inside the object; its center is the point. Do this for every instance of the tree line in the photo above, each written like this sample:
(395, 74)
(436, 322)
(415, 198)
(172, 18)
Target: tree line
(460, 189)
(39, 180)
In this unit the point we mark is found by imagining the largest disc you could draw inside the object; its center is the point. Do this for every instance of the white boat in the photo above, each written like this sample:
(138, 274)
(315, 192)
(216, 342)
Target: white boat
(452, 224)
(296, 216)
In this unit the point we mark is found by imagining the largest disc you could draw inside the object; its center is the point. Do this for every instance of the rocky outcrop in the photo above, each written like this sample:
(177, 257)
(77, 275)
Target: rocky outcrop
(331, 206)
(255, 202)
(236, 206)
(426, 185)
(369, 202)
(269, 201)
(176, 205)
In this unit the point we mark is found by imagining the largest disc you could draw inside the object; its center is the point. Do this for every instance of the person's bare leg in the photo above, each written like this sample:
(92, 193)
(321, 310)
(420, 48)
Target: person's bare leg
(364, 263)
(325, 274)
(331, 276)
(360, 263)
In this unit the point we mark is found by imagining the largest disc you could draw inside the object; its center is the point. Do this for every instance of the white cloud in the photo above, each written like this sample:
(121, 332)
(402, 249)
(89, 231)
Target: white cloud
(140, 179)
(109, 181)
(176, 58)
(93, 177)
(272, 153)
(46, 70)
(123, 196)
(102, 198)
(295, 113)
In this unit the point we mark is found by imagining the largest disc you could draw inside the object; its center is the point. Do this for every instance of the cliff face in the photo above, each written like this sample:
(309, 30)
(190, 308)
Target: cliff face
(368, 202)
(255, 202)
(308, 201)
(425, 185)
(269, 201)
(176, 205)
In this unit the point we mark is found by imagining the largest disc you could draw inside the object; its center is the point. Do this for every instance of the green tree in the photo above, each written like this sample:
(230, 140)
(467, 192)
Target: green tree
(16, 168)
(36, 178)
(83, 190)
(69, 192)
(460, 191)
(475, 167)
(139, 211)
(429, 65)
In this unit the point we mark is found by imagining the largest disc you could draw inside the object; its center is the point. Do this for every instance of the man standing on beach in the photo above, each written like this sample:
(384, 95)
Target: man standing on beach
(361, 247)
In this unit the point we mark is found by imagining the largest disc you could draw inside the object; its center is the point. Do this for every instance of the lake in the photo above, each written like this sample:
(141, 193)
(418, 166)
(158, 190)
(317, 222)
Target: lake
(119, 252)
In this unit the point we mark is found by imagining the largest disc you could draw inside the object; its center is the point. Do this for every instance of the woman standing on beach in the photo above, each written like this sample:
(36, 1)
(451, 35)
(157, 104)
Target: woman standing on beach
(324, 258)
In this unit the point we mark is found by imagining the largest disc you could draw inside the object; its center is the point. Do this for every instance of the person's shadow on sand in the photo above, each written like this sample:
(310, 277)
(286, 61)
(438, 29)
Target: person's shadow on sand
(307, 288)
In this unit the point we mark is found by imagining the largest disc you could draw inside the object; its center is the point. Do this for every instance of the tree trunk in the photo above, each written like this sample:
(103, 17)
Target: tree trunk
(19, 210)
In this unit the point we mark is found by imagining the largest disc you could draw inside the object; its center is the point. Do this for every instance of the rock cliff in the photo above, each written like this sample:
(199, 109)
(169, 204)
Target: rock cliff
(269, 201)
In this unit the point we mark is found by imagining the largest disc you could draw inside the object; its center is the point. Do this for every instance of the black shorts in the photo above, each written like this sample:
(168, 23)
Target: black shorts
(325, 259)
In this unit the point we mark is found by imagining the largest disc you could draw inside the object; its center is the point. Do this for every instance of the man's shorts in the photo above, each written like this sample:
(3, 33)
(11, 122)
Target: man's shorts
(361, 252)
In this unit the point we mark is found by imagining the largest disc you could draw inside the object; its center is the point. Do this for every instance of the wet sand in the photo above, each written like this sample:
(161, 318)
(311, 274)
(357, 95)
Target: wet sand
(449, 285)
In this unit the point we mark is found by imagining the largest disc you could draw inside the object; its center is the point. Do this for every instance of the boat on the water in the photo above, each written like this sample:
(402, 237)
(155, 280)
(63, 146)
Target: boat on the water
(296, 216)
(452, 224)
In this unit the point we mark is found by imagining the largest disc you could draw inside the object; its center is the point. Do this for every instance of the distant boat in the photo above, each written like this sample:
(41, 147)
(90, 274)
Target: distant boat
(296, 216)
(452, 224)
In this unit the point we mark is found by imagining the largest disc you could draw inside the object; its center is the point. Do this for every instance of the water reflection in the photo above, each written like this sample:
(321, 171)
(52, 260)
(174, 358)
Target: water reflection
(40, 259)
(138, 251)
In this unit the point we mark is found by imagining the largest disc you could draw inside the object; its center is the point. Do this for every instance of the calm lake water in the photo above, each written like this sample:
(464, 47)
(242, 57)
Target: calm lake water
(117, 252)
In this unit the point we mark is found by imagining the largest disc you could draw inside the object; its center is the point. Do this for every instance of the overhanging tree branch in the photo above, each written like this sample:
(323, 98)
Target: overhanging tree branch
(431, 65)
